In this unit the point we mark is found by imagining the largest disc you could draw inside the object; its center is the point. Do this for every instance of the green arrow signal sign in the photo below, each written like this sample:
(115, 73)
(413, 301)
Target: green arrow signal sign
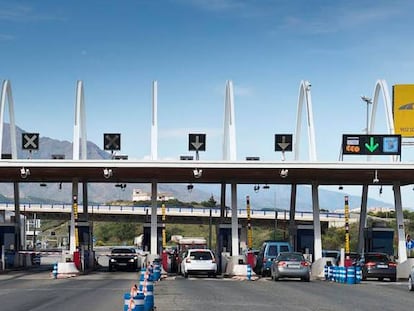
(372, 146)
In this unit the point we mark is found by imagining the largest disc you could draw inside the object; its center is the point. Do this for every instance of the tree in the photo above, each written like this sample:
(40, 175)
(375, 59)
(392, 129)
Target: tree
(210, 203)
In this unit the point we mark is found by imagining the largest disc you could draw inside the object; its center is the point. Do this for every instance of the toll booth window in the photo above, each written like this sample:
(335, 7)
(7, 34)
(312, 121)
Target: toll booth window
(272, 250)
(284, 248)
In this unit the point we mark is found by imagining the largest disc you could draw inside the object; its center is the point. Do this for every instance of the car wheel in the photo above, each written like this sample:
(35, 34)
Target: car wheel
(306, 279)
(381, 279)
(110, 269)
(186, 275)
(393, 279)
(410, 284)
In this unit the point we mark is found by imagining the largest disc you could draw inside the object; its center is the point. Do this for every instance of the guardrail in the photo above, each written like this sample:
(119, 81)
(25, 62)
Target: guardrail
(170, 211)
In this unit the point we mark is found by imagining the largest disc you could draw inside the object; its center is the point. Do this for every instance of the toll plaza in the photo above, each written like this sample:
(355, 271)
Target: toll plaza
(228, 171)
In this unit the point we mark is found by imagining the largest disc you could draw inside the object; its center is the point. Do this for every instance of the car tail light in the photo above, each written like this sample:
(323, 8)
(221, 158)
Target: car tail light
(281, 263)
(264, 259)
(370, 264)
(188, 260)
(304, 263)
(213, 260)
(392, 264)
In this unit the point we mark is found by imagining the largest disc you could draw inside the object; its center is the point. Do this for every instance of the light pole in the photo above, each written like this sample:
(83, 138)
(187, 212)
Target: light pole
(368, 101)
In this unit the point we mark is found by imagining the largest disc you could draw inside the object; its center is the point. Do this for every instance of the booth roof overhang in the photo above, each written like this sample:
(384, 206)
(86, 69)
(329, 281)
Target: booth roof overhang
(229, 172)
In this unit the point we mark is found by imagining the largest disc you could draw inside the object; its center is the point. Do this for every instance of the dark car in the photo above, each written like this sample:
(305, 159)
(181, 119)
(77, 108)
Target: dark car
(290, 265)
(378, 265)
(123, 258)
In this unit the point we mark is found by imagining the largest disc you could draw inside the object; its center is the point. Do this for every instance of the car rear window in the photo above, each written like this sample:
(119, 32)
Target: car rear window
(376, 257)
(290, 257)
(201, 255)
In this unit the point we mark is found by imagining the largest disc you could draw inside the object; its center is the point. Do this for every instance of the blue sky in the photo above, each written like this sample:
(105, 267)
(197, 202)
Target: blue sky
(191, 47)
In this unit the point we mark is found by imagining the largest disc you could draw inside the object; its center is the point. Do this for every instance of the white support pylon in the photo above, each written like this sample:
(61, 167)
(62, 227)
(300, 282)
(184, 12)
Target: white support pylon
(305, 94)
(7, 97)
(229, 140)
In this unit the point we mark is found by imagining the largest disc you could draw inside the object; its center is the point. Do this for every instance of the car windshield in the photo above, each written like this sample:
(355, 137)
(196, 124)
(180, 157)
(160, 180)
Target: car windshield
(290, 257)
(200, 255)
(123, 251)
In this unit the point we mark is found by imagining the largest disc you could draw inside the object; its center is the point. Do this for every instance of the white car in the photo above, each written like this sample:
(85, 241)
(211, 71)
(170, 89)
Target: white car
(411, 280)
(199, 261)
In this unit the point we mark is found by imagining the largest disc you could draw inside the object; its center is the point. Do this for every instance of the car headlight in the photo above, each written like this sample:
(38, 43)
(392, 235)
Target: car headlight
(113, 260)
(132, 259)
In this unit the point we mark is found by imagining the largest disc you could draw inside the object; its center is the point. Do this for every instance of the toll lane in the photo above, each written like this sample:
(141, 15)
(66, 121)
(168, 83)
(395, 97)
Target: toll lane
(216, 294)
(38, 292)
(104, 291)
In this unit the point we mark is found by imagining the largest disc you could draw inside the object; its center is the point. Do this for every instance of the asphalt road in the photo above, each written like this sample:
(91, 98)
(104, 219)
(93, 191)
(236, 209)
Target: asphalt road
(37, 291)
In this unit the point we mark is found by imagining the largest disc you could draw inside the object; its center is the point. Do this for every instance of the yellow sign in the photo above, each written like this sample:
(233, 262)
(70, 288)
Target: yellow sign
(403, 109)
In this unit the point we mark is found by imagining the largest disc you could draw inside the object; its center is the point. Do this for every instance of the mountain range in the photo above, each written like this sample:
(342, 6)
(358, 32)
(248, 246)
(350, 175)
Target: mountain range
(275, 197)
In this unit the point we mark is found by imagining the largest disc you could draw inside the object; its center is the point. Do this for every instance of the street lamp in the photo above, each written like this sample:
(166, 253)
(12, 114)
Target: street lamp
(368, 101)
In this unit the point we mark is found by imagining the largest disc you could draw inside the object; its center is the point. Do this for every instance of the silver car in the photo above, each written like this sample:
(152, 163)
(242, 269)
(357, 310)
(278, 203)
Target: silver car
(290, 265)
(411, 280)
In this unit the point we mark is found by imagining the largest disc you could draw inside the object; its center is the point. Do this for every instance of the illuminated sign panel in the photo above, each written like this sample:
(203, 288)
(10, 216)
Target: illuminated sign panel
(403, 109)
(371, 144)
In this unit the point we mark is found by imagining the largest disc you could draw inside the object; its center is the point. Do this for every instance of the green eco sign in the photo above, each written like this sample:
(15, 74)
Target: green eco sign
(371, 144)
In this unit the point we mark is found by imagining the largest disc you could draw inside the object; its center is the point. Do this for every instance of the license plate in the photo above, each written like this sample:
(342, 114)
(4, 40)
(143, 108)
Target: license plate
(382, 266)
(122, 264)
(294, 266)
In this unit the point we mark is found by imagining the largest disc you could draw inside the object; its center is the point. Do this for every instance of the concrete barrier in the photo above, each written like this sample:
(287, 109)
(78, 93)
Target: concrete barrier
(67, 269)
(404, 268)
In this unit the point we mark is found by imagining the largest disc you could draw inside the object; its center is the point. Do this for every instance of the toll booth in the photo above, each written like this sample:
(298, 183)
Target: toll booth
(224, 242)
(8, 244)
(303, 239)
(146, 240)
(84, 258)
(379, 240)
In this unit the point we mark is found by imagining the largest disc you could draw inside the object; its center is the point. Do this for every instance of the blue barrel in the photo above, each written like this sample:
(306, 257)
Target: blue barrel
(157, 272)
(134, 304)
(146, 286)
(249, 272)
(335, 273)
(330, 273)
(149, 301)
(342, 274)
(358, 274)
(325, 272)
(350, 275)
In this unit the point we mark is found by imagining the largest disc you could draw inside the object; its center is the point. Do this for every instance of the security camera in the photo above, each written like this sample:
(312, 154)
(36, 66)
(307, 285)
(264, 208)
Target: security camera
(284, 173)
(24, 172)
(197, 173)
(308, 85)
(190, 187)
(107, 172)
(375, 180)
